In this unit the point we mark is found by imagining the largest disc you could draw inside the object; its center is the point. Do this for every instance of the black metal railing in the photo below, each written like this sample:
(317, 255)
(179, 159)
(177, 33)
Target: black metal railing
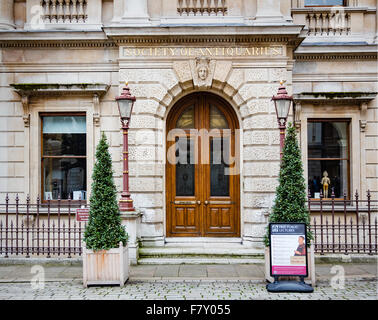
(51, 228)
(344, 225)
(45, 228)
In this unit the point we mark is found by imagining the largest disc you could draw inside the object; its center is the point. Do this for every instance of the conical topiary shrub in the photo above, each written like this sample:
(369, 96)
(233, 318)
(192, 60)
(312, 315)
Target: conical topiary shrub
(104, 230)
(290, 202)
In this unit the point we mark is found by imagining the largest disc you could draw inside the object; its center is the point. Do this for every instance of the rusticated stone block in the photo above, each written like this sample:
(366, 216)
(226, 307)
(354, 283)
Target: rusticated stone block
(258, 200)
(261, 168)
(148, 137)
(182, 69)
(145, 106)
(147, 153)
(262, 153)
(148, 91)
(249, 91)
(255, 216)
(165, 77)
(260, 122)
(222, 69)
(152, 229)
(256, 137)
(147, 200)
(145, 184)
(152, 215)
(146, 168)
(260, 184)
(260, 106)
(256, 74)
(254, 230)
(144, 121)
(277, 74)
(236, 78)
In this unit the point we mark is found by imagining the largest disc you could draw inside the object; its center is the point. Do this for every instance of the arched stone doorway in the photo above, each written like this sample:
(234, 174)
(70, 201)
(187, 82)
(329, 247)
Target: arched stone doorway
(202, 170)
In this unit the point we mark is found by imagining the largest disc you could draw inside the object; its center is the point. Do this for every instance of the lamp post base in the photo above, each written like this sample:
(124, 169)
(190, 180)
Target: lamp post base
(126, 205)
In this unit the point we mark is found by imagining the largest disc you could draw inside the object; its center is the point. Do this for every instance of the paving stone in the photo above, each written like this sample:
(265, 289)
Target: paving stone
(193, 271)
(254, 271)
(221, 271)
(142, 271)
(167, 271)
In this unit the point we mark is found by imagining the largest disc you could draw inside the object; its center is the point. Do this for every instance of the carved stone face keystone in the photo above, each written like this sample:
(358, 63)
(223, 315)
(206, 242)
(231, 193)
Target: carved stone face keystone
(203, 72)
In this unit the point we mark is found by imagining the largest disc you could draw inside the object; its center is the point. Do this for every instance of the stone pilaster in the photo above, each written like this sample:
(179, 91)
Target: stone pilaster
(268, 11)
(6, 15)
(135, 12)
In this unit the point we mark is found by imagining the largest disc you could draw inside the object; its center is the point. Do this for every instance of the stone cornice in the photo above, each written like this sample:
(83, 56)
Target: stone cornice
(338, 98)
(54, 89)
(206, 34)
(20, 43)
(113, 36)
(336, 56)
(334, 51)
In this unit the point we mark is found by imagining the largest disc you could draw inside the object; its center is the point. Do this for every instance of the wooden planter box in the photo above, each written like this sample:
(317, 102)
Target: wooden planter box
(106, 267)
(311, 267)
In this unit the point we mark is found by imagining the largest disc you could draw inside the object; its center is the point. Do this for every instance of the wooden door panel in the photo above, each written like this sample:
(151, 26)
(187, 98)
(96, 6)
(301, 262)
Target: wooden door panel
(220, 220)
(185, 220)
(212, 207)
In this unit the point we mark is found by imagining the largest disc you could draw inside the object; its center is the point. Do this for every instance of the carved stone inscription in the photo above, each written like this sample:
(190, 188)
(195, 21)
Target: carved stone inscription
(192, 52)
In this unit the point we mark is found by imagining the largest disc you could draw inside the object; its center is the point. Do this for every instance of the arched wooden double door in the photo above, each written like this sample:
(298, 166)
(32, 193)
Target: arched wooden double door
(202, 171)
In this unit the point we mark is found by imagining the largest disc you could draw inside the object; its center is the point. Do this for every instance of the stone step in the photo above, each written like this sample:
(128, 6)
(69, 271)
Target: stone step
(200, 254)
(198, 260)
(199, 251)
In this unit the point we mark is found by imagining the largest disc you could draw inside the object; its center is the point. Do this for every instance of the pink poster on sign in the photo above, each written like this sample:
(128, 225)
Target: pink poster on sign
(288, 249)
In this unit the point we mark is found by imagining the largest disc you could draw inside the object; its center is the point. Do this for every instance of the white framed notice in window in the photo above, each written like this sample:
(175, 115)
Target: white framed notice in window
(48, 195)
(79, 195)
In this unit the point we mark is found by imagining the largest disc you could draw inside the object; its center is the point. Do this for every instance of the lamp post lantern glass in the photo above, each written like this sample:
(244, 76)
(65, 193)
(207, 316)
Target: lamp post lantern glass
(282, 102)
(125, 107)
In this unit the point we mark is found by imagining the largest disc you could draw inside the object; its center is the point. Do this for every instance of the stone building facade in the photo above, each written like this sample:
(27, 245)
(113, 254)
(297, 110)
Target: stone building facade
(71, 58)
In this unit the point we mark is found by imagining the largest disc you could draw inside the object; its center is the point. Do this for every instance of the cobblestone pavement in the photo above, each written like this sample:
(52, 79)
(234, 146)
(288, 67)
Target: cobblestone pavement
(181, 290)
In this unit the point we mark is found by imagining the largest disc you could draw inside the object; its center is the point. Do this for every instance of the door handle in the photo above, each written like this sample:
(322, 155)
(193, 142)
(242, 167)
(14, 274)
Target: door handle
(198, 202)
(206, 202)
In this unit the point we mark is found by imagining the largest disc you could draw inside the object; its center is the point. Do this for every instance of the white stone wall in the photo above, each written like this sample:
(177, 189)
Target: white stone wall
(11, 139)
(351, 75)
(247, 84)
(249, 90)
(20, 143)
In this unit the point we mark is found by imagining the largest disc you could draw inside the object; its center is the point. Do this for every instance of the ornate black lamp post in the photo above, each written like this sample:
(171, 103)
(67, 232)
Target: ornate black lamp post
(282, 102)
(125, 106)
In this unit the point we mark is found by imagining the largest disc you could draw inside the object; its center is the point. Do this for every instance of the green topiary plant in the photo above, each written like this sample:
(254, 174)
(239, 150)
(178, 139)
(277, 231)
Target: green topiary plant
(104, 230)
(290, 202)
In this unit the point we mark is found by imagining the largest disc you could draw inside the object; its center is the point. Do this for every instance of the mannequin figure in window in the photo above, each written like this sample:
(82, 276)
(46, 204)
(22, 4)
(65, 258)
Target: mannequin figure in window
(325, 182)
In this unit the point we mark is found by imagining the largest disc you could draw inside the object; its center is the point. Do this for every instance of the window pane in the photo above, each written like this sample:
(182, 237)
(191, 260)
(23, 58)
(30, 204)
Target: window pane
(324, 3)
(64, 124)
(64, 177)
(186, 120)
(57, 144)
(184, 167)
(64, 136)
(327, 139)
(217, 119)
(337, 171)
(219, 181)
